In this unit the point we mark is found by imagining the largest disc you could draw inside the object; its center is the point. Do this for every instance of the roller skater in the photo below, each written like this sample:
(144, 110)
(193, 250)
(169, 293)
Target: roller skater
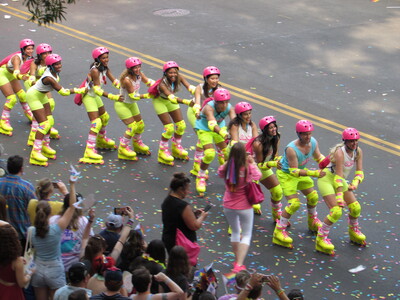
(37, 67)
(337, 192)
(97, 113)
(10, 74)
(40, 106)
(265, 149)
(203, 91)
(294, 176)
(167, 108)
(242, 129)
(211, 129)
(128, 110)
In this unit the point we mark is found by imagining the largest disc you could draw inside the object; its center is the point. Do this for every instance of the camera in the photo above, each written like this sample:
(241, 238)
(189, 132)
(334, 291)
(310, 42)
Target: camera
(120, 211)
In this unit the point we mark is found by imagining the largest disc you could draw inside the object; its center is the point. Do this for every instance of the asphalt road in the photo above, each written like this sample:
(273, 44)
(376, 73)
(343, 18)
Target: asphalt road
(335, 63)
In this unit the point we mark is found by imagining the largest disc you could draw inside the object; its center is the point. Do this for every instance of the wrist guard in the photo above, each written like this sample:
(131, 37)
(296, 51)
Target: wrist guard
(116, 83)
(173, 99)
(98, 90)
(64, 92)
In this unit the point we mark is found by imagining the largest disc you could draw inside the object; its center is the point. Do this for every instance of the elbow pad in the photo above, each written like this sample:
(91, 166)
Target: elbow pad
(64, 92)
(272, 164)
(192, 89)
(134, 96)
(212, 124)
(313, 173)
(359, 175)
(79, 90)
(294, 172)
(113, 97)
(223, 132)
(196, 108)
(98, 90)
(338, 181)
(173, 99)
(116, 83)
(17, 74)
(186, 102)
(150, 82)
(263, 166)
(319, 159)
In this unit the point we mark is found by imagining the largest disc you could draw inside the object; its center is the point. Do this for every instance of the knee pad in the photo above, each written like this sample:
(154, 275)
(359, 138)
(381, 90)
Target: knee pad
(50, 118)
(294, 205)
(180, 127)
(44, 127)
(276, 193)
(168, 131)
(335, 213)
(140, 127)
(355, 209)
(21, 95)
(312, 198)
(96, 125)
(132, 128)
(52, 104)
(105, 118)
(209, 155)
(10, 101)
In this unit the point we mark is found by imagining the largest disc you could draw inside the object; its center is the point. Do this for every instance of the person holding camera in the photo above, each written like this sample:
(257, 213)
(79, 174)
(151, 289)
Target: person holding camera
(253, 288)
(112, 231)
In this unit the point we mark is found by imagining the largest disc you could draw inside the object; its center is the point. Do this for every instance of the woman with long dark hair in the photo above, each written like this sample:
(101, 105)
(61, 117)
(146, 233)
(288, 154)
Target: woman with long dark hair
(265, 150)
(166, 105)
(178, 267)
(12, 275)
(98, 116)
(237, 172)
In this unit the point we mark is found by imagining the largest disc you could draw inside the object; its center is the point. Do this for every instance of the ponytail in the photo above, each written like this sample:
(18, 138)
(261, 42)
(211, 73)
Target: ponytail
(41, 223)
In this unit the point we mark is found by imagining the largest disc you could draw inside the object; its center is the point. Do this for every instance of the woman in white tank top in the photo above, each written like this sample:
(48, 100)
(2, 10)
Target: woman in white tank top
(337, 192)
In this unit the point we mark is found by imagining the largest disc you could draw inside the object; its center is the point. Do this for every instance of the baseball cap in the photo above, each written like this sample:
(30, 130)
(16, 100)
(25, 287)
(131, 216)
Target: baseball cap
(113, 274)
(77, 272)
(114, 221)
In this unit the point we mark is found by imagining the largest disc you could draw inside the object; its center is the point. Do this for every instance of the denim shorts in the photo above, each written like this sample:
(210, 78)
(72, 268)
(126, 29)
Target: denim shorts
(49, 274)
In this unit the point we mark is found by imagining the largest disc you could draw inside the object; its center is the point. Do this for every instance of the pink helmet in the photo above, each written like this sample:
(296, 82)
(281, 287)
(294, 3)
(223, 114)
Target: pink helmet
(264, 122)
(350, 134)
(52, 59)
(242, 107)
(170, 64)
(42, 48)
(211, 70)
(304, 126)
(132, 62)
(99, 51)
(221, 94)
(25, 43)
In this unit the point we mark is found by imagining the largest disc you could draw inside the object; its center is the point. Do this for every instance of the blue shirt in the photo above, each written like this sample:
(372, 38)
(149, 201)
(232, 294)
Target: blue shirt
(18, 192)
(49, 247)
(302, 159)
(202, 123)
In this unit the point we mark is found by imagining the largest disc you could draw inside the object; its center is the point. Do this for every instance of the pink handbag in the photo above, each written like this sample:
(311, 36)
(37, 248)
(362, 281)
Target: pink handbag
(254, 193)
(192, 248)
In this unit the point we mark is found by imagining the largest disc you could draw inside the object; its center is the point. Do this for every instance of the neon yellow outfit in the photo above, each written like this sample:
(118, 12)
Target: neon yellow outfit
(328, 185)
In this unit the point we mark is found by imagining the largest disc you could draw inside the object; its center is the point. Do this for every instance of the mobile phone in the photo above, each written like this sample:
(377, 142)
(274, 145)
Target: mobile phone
(119, 211)
(265, 278)
(55, 184)
(208, 207)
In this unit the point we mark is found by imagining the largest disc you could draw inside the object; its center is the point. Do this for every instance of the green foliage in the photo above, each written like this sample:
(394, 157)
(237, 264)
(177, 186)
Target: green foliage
(46, 12)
